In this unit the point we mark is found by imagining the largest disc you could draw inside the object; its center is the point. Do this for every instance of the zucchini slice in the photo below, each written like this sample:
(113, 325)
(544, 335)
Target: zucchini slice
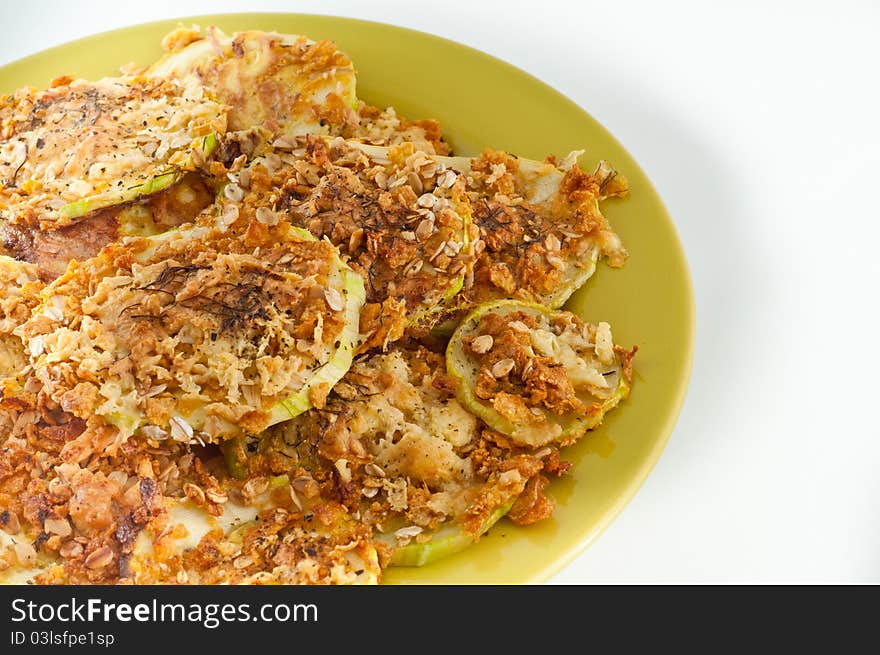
(287, 85)
(243, 541)
(540, 227)
(52, 250)
(537, 375)
(446, 541)
(83, 146)
(197, 334)
(396, 439)
(402, 219)
(240, 539)
(284, 83)
(545, 247)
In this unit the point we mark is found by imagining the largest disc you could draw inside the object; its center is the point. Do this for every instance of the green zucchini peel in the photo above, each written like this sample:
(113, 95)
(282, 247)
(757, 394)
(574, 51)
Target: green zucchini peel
(447, 541)
(159, 182)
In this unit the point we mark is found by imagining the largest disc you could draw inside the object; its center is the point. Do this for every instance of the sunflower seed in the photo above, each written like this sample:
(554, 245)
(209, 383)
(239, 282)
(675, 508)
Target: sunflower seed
(415, 182)
(482, 344)
(267, 217)
(502, 367)
(233, 192)
(70, 549)
(437, 252)
(452, 248)
(408, 532)
(243, 561)
(425, 229)
(100, 558)
(334, 299)
(216, 496)
(181, 430)
(427, 200)
(155, 391)
(446, 180)
(58, 526)
(413, 268)
(375, 470)
(153, 432)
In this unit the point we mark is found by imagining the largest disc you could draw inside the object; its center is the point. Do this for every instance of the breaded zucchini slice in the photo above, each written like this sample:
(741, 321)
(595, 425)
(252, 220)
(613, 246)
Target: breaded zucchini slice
(198, 334)
(211, 539)
(283, 83)
(395, 445)
(19, 293)
(83, 146)
(540, 229)
(537, 375)
(287, 85)
(52, 250)
(265, 539)
(402, 219)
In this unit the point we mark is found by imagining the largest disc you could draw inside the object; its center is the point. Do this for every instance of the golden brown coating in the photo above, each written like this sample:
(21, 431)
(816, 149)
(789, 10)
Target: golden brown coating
(194, 334)
(82, 146)
(320, 545)
(540, 228)
(282, 83)
(535, 374)
(394, 445)
(400, 218)
(287, 85)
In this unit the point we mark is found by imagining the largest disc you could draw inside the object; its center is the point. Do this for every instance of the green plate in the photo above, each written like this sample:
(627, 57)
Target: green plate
(480, 102)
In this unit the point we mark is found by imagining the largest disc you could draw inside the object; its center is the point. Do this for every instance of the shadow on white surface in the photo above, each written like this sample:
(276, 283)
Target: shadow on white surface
(703, 192)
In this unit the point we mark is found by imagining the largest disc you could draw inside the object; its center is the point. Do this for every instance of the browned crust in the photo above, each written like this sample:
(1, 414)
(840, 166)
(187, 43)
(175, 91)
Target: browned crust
(523, 245)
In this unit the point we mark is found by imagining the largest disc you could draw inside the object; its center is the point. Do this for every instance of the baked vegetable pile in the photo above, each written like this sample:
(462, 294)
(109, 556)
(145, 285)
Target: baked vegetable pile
(255, 330)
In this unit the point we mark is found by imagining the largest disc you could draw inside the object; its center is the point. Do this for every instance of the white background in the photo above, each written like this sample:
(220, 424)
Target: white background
(760, 125)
